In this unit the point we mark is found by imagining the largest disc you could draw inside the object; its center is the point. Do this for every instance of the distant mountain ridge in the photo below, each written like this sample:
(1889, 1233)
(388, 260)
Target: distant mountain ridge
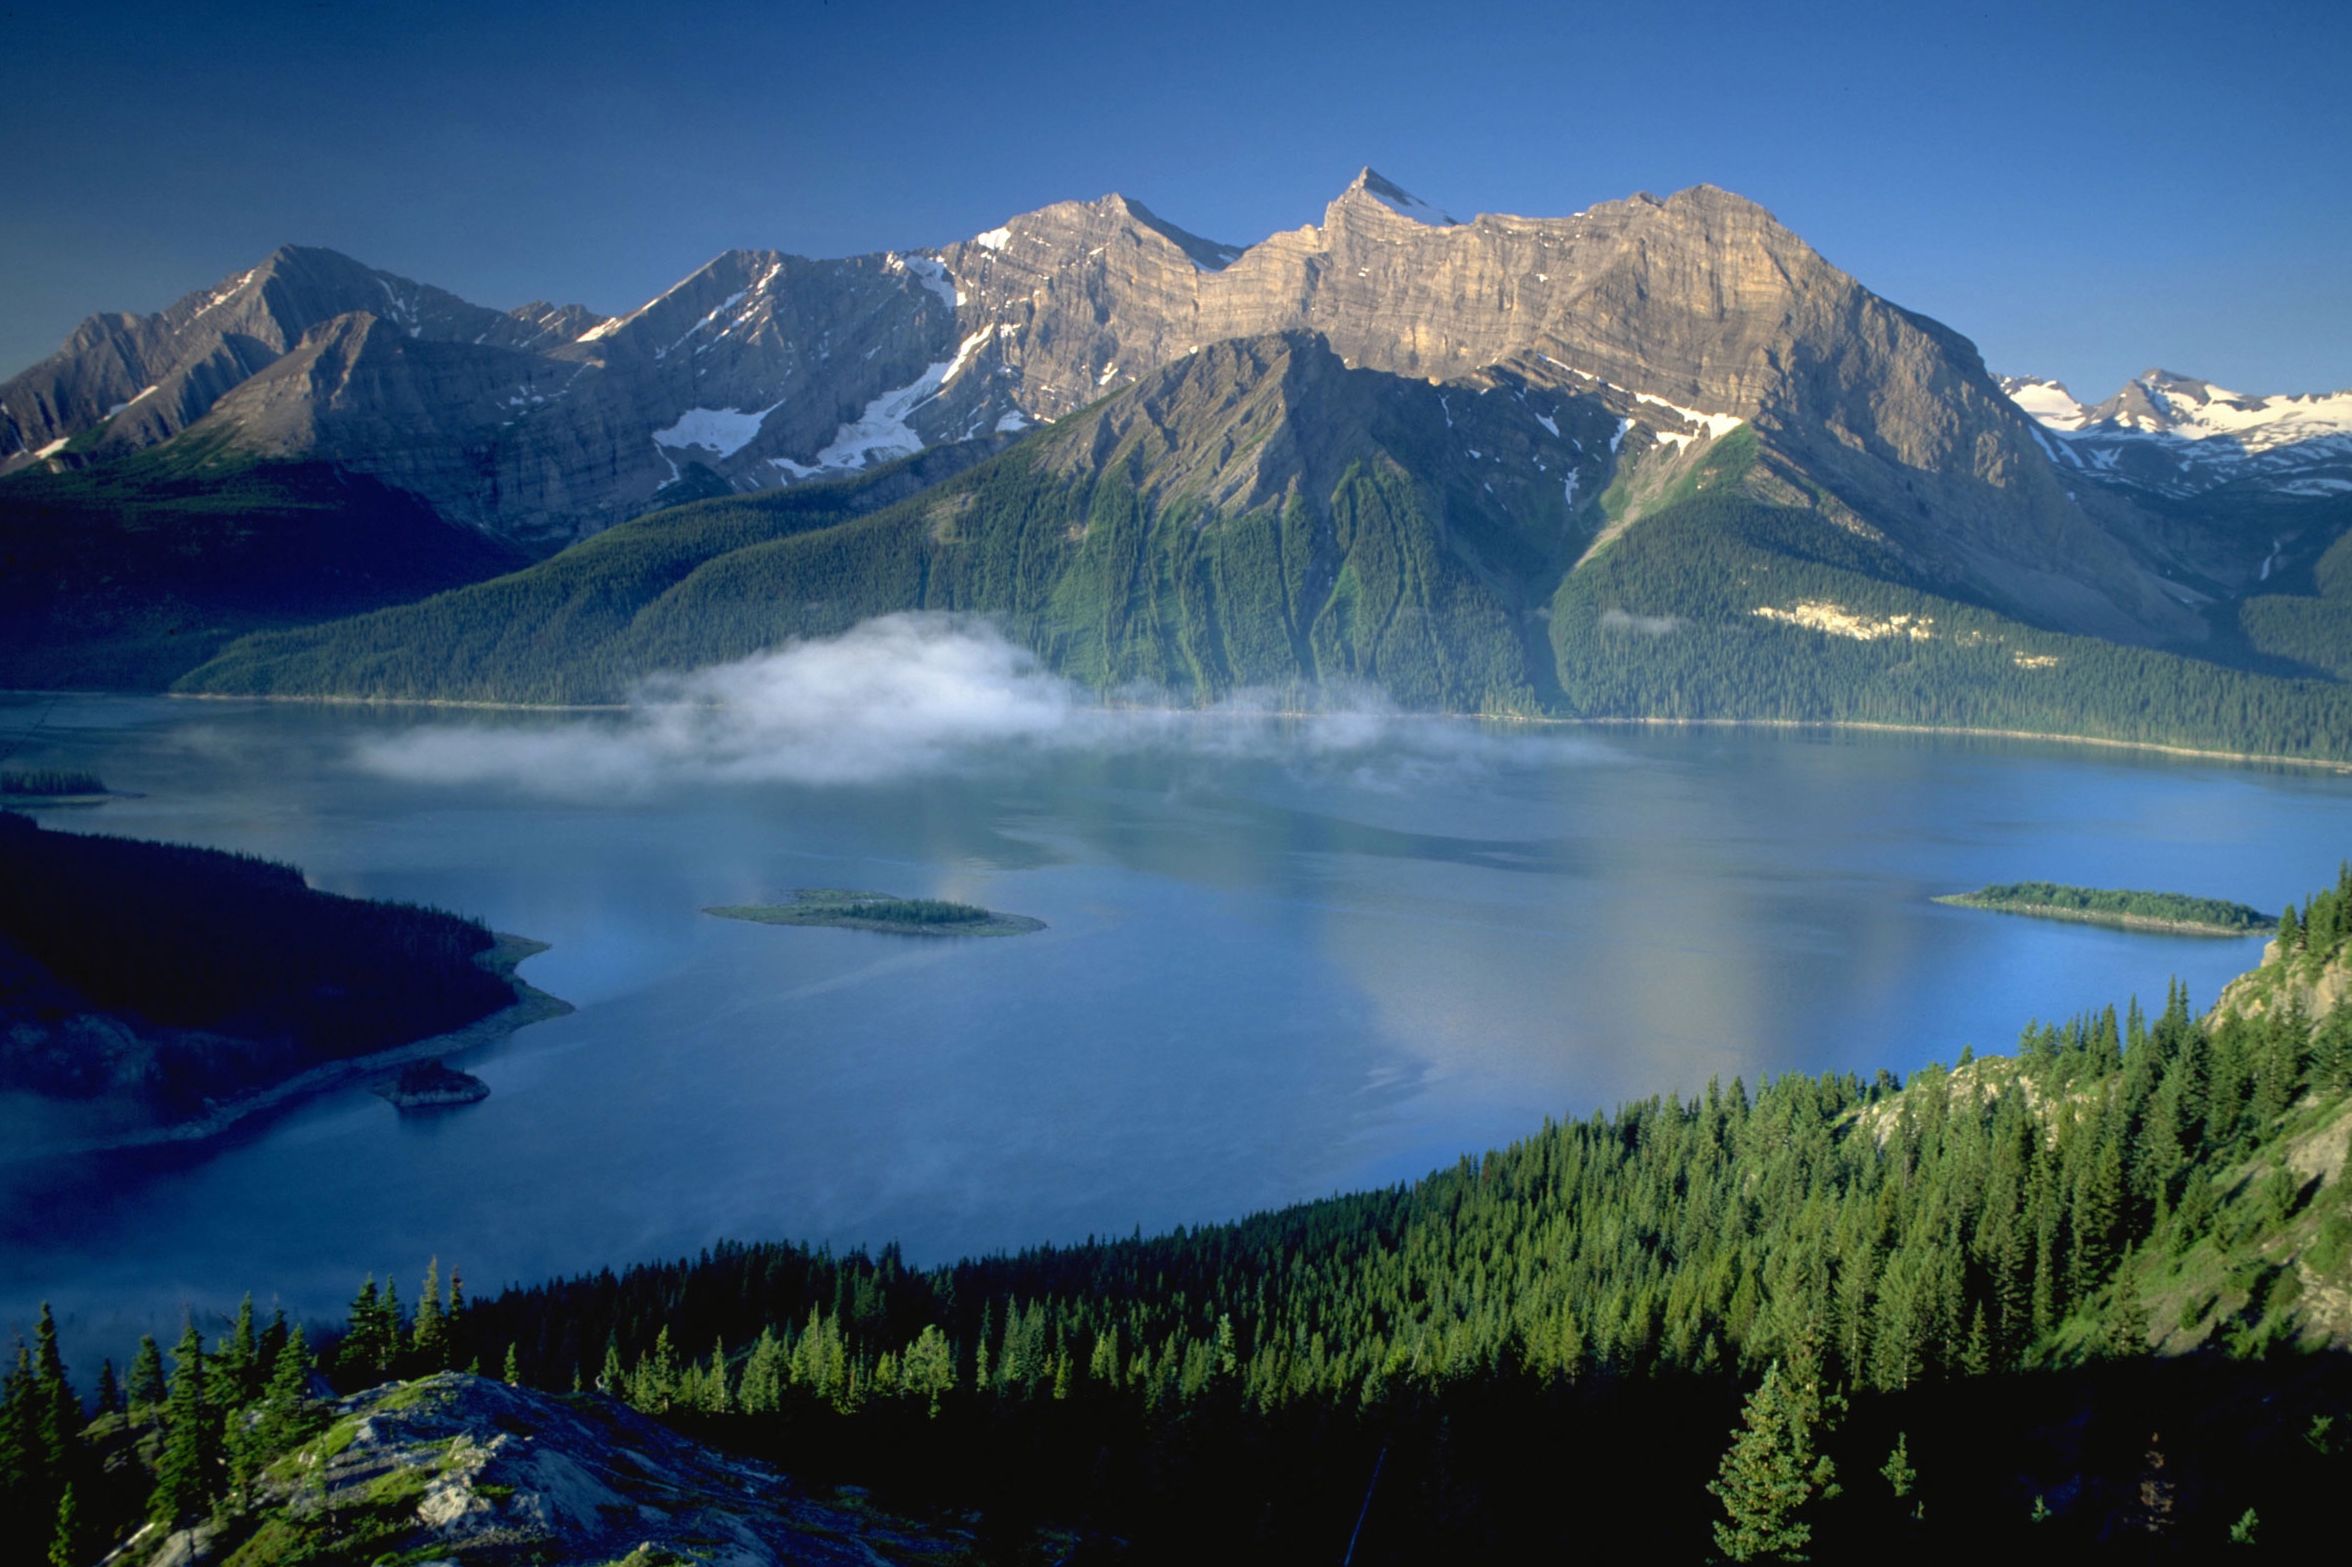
(1560, 427)
(2181, 436)
(760, 370)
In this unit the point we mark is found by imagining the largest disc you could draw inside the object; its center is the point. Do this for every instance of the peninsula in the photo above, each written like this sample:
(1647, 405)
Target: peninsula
(161, 992)
(880, 911)
(2169, 912)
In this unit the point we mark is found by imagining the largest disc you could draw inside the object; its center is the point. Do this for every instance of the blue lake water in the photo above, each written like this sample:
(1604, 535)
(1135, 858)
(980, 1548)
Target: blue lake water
(1270, 972)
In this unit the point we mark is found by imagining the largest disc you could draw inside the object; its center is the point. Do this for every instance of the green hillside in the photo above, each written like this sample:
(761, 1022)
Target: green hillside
(130, 574)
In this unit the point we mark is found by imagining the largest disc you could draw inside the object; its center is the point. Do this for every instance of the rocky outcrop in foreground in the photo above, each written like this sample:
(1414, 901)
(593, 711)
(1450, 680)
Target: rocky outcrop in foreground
(462, 1469)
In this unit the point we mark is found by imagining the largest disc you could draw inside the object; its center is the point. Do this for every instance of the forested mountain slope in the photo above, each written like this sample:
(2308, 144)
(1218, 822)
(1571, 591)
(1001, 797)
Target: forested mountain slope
(1259, 515)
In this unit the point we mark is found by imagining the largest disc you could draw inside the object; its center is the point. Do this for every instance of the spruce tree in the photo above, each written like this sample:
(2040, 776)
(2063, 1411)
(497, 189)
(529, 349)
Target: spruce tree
(65, 1540)
(237, 1361)
(513, 1375)
(185, 1479)
(358, 1357)
(1900, 1477)
(610, 1378)
(110, 1394)
(456, 1328)
(1772, 1470)
(391, 1329)
(57, 1413)
(145, 1390)
(287, 1414)
(273, 1340)
(19, 1428)
(431, 1338)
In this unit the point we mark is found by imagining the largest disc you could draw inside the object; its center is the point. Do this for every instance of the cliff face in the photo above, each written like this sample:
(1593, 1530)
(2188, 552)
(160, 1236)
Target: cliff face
(1686, 316)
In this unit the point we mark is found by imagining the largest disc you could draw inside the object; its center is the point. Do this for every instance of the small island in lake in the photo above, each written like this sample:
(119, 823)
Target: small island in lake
(51, 785)
(2170, 912)
(432, 1084)
(880, 911)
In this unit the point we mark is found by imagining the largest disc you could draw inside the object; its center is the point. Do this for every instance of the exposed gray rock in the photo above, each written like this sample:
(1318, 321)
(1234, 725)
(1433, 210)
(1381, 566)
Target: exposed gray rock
(463, 1469)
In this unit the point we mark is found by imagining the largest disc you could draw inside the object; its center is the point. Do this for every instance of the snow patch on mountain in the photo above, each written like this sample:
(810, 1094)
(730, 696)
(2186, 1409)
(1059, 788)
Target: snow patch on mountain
(725, 431)
(2045, 402)
(882, 431)
(1715, 426)
(931, 275)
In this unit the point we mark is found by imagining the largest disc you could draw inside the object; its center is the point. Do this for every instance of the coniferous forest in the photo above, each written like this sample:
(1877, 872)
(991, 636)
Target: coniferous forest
(2083, 1300)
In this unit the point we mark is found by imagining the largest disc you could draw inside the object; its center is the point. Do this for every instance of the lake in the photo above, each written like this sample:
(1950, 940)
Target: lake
(1275, 967)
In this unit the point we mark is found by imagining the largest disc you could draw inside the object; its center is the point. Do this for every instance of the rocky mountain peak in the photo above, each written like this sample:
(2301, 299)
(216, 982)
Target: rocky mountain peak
(1372, 187)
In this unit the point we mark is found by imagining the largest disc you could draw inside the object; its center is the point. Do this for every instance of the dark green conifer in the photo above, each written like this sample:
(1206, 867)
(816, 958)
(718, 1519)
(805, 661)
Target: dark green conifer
(66, 1542)
(430, 1341)
(287, 1414)
(186, 1472)
(1773, 1470)
(145, 1389)
(57, 1412)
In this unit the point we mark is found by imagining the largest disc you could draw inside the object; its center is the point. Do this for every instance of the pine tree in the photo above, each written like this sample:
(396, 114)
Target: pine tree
(1976, 1355)
(238, 1360)
(431, 1338)
(287, 1414)
(273, 1340)
(19, 1426)
(65, 1541)
(612, 1380)
(57, 1413)
(2290, 933)
(513, 1375)
(391, 1328)
(454, 1325)
(145, 1389)
(358, 1356)
(184, 1474)
(110, 1394)
(1772, 1470)
(711, 1397)
(1900, 1477)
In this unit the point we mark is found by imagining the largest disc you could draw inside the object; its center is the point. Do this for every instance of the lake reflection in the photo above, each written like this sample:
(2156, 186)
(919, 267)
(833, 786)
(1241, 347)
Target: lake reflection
(1266, 976)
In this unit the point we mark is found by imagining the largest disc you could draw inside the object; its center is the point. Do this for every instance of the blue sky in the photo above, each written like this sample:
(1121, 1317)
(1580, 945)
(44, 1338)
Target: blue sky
(2085, 191)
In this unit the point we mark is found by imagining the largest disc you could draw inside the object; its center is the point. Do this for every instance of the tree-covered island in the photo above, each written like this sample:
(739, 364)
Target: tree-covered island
(2171, 912)
(880, 911)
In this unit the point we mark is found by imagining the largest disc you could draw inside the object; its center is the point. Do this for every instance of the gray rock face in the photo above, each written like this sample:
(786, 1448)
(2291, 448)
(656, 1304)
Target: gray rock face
(145, 378)
(1689, 314)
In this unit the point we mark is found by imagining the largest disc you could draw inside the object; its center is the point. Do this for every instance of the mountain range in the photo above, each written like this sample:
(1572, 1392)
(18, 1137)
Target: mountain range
(1502, 464)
